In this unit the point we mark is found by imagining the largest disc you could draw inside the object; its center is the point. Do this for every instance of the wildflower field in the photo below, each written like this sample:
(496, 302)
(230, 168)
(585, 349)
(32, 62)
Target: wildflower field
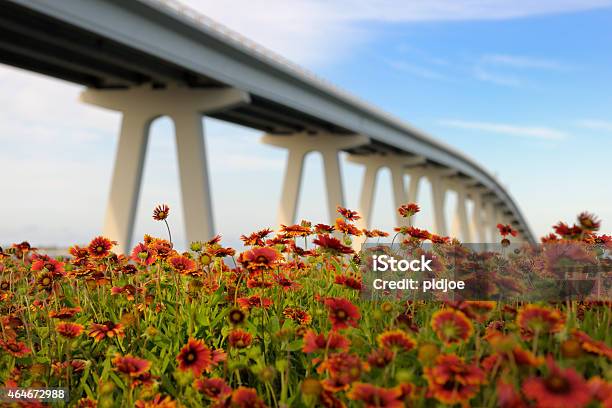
(284, 324)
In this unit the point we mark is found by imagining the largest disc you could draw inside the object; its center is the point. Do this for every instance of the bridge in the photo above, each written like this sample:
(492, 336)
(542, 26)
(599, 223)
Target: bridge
(150, 58)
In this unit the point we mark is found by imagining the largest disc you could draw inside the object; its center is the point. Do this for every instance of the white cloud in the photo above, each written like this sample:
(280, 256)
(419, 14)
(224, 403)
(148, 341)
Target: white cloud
(483, 74)
(523, 62)
(417, 70)
(536, 132)
(596, 124)
(318, 32)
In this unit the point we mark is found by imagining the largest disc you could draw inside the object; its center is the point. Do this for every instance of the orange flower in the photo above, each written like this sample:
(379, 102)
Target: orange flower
(396, 340)
(161, 248)
(350, 215)
(69, 330)
(408, 210)
(451, 326)
(520, 356)
(131, 365)
(182, 264)
(214, 388)
(100, 247)
(298, 315)
(319, 342)
(592, 346)
(342, 313)
(107, 329)
(373, 397)
(256, 238)
(560, 388)
(259, 258)
(534, 319)
(346, 228)
(293, 231)
(158, 401)
(197, 357)
(161, 212)
(452, 381)
(239, 338)
(244, 397)
(323, 229)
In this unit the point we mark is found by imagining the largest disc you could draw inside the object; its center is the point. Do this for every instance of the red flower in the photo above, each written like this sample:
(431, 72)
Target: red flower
(559, 389)
(256, 238)
(197, 357)
(244, 397)
(342, 313)
(323, 229)
(131, 365)
(69, 330)
(214, 388)
(64, 313)
(260, 258)
(452, 381)
(352, 281)
(320, 343)
(506, 229)
(100, 247)
(182, 264)
(348, 214)
(329, 243)
(534, 319)
(373, 397)
(239, 338)
(396, 340)
(161, 212)
(143, 255)
(50, 265)
(451, 326)
(588, 221)
(415, 233)
(343, 369)
(408, 210)
(17, 349)
(508, 397)
(566, 231)
(254, 301)
(380, 357)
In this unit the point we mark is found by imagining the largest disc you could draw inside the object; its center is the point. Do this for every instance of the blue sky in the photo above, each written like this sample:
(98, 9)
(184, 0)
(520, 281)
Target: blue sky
(523, 87)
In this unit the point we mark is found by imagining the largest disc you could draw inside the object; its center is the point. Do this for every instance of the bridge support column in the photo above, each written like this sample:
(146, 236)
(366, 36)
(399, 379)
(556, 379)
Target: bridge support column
(491, 222)
(397, 166)
(140, 106)
(477, 220)
(299, 145)
(461, 227)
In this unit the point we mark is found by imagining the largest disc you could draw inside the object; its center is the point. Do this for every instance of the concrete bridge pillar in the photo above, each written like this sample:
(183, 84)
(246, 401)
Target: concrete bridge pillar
(461, 227)
(298, 146)
(140, 106)
(477, 221)
(397, 166)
